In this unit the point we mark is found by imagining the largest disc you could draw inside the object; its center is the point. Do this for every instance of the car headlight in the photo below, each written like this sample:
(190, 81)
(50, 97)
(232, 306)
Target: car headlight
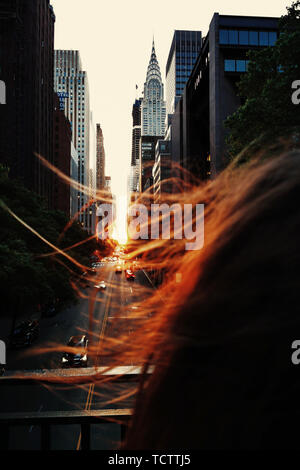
(84, 358)
(64, 360)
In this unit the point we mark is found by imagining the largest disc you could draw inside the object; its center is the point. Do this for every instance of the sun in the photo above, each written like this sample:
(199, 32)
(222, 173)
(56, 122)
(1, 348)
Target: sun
(120, 226)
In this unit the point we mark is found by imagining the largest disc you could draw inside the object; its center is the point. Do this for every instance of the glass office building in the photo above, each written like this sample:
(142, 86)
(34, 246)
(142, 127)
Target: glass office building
(184, 51)
(198, 138)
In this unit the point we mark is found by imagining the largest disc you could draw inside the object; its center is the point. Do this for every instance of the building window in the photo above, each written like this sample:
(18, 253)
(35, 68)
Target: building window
(247, 38)
(241, 66)
(263, 39)
(244, 37)
(232, 65)
(272, 38)
(233, 37)
(253, 38)
(229, 65)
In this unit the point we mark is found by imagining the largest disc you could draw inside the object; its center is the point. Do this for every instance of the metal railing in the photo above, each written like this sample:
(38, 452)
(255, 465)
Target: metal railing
(46, 420)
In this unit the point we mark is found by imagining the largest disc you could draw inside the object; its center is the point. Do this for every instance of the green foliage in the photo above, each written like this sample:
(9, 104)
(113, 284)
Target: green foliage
(27, 278)
(266, 89)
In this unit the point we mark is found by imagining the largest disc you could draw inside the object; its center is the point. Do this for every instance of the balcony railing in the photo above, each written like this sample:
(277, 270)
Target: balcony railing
(46, 420)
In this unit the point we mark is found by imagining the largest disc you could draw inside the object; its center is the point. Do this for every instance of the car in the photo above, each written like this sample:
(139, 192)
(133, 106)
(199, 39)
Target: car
(129, 275)
(100, 285)
(24, 334)
(97, 265)
(119, 269)
(78, 358)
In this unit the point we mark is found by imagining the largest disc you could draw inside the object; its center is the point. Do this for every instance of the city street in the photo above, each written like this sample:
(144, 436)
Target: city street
(115, 302)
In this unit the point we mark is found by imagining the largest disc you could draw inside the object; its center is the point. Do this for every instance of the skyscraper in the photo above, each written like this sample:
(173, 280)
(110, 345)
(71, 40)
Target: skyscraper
(100, 159)
(184, 51)
(62, 159)
(92, 180)
(210, 95)
(73, 190)
(185, 48)
(26, 68)
(153, 115)
(71, 84)
(153, 104)
(135, 154)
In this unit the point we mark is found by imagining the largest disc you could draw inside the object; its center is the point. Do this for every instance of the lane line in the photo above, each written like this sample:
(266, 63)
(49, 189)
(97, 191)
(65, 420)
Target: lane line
(92, 386)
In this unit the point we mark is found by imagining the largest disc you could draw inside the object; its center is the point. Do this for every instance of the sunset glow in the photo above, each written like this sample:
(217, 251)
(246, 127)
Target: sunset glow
(120, 227)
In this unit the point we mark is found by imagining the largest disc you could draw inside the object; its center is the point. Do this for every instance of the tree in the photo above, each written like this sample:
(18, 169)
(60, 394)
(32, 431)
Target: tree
(266, 89)
(28, 278)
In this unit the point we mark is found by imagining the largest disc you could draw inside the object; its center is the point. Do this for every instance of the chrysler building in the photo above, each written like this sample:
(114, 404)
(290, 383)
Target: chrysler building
(153, 104)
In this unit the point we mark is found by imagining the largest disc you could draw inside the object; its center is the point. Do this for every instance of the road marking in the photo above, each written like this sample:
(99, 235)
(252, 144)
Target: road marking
(92, 386)
(87, 408)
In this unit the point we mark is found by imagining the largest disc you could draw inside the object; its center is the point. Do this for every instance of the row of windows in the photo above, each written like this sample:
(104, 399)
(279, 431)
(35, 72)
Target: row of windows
(247, 38)
(184, 68)
(185, 54)
(186, 62)
(183, 74)
(71, 81)
(68, 70)
(64, 88)
(232, 65)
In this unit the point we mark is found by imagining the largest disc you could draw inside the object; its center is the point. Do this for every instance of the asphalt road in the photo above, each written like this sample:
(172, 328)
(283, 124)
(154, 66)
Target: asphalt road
(97, 314)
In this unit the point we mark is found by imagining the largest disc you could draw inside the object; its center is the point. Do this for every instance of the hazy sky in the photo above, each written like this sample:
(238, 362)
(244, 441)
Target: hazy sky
(115, 38)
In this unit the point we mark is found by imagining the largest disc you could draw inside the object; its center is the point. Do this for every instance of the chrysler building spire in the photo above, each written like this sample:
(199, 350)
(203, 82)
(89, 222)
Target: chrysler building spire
(153, 67)
(153, 105)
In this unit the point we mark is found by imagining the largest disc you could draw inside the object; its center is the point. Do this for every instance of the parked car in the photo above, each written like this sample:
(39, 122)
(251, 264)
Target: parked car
(24, 334)
(78, 358)
(130, 276)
